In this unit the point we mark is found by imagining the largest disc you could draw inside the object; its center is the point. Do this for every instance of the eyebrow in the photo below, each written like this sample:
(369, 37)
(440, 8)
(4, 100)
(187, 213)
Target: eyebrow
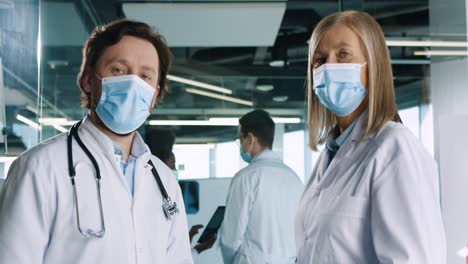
(125, 62)
(342, 44)
(149, 68)
(339, 45)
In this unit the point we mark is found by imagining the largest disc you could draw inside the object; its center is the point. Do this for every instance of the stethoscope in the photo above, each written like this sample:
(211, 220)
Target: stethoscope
(169, 207)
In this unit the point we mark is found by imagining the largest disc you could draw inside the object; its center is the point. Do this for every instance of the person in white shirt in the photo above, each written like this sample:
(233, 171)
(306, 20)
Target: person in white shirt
(96, 194)
(258, 225)
(373, 196)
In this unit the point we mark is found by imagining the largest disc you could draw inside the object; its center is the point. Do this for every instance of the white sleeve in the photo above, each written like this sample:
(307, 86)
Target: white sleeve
(406, 220)
(25, 214)
(241, 195)
(194, 255)
(178, 251)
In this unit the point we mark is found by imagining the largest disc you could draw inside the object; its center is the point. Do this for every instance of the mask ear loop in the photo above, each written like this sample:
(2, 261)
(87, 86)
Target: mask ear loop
(98, 76)
(362, 65)
(251, 143)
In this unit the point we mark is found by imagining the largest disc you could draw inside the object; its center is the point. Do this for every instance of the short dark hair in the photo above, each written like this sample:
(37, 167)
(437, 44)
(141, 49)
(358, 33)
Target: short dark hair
(259, 123)
(105, 36)
(160, 142)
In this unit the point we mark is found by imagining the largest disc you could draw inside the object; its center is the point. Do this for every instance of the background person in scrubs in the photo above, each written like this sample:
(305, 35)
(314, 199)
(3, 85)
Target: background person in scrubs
(374, 195)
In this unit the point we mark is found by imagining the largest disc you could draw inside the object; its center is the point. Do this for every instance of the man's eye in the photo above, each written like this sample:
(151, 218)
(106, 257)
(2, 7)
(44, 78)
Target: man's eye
(146, 77)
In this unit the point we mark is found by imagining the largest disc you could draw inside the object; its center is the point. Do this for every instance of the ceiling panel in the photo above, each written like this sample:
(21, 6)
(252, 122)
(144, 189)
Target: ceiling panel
(211, 24)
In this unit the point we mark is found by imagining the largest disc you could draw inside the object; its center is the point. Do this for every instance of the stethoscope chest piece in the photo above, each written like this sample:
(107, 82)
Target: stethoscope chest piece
(170, 208)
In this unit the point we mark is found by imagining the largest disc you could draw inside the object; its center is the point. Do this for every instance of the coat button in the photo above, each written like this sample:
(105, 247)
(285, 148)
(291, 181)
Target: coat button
(317, 190)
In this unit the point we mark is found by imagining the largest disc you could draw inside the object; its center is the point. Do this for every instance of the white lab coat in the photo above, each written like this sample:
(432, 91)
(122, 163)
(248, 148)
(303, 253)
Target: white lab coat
(378, 202)
(258, 225)
(38, 222)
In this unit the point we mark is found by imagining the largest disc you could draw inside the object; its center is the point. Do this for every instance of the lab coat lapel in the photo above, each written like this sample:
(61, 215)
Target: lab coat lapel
(321, 166)
(142, 168)
(102, 148)
(345, 151)
(142, 175)
(96, 141)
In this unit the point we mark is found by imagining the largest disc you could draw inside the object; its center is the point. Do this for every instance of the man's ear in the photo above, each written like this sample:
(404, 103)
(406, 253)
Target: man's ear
(251, 138)
(87, 81)
(155, 97)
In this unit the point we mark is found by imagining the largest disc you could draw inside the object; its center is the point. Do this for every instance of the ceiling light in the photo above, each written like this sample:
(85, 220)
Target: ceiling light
(189, 123)
(57, 63)
(426, 43)
(218, 121)
(286, 120)
(220, 97)
(196, 140)
(441, 53)
(199, 84)
(423, 43)
(265, 87)
(413, 62)
(5, 159)
(60, 128)
(51, 121)
(28, 121)
(280, 99)
(233, 121)
(31, 109)
(278, 120)
(194, 146)
(277, 63)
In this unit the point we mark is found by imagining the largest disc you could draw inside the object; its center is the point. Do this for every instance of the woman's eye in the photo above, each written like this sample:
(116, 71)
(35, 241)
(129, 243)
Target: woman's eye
(343, 54)
(318, 62)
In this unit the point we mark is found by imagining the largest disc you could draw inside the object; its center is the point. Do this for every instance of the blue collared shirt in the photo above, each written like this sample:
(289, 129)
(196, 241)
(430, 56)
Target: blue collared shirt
(128, 168)
(334, 144)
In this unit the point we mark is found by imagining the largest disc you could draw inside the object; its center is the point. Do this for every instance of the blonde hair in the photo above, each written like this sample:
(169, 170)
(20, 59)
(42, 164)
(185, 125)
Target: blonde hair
(381, 97)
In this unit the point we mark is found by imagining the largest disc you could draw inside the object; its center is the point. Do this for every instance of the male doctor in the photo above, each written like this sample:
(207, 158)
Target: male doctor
(43, 219)
(258, 225)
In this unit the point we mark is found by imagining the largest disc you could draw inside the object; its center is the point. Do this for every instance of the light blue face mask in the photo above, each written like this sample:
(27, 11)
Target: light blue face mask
(125, 103)
(245, 155)
(338, 87)
(176, 174)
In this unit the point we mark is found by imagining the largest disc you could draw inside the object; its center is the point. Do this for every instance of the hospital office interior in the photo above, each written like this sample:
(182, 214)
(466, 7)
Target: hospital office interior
(230, 57)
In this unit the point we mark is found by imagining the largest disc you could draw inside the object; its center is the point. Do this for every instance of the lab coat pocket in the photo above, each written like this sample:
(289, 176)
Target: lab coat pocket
(349, 206)
(346, 231)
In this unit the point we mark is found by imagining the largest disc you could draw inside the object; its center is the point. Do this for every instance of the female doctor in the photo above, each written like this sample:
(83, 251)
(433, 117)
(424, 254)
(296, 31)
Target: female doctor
(96, 194)
(374, 194)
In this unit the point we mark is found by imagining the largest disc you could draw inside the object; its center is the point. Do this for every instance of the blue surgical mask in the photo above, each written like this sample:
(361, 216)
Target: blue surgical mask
(338, 87)
(125, 103)
(245, 155)
(176, 174)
